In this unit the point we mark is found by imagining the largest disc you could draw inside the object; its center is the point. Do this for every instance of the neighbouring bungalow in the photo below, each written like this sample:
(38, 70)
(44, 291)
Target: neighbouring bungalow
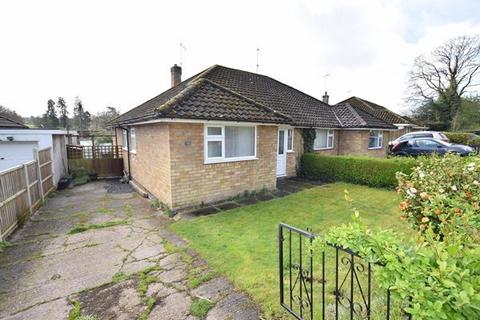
(224, 131)
(403, 124)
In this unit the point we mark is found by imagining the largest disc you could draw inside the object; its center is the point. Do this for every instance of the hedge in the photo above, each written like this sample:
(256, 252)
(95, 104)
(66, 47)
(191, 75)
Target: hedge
(373, 172)
(463, 138)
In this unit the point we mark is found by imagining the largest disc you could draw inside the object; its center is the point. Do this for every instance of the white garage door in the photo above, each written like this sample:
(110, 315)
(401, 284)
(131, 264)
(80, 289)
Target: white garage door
(13, 153)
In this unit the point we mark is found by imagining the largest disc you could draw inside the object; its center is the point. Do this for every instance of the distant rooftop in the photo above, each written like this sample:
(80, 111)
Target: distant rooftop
(6, 123)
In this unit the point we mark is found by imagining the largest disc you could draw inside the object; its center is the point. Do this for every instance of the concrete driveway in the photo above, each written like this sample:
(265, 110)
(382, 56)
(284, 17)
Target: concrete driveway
(99, 250)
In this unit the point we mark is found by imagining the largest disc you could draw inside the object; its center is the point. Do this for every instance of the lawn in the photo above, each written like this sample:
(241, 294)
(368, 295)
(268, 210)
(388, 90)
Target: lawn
(242, 243)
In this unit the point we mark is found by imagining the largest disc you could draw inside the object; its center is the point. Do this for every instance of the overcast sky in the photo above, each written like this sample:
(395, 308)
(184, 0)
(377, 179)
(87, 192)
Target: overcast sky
(119, 53)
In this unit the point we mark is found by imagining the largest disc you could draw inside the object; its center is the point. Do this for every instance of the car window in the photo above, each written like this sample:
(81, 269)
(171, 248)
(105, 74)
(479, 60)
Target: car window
(405, 137)
(427, 144)
(423, 135)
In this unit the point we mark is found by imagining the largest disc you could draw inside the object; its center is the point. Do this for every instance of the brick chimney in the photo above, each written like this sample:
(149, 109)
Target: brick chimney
(325, 97)
(176, 73)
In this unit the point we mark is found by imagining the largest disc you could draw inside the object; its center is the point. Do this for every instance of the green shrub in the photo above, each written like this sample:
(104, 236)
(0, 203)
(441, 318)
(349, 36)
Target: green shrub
(435, 279)
(373, 172)
(442, 193)
(463, 138)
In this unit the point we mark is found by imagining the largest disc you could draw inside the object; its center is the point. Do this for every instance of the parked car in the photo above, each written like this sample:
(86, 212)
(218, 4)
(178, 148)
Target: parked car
(417, 135)
(425, 146)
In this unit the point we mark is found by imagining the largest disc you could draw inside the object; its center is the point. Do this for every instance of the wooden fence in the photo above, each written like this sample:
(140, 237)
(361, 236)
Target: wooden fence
(102, 160)
(23, 188)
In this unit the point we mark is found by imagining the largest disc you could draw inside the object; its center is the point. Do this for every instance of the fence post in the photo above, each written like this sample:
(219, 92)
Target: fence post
(39, 173)
(27, 182)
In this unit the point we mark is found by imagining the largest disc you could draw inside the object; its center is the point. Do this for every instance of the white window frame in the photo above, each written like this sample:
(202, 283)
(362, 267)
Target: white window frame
(221, 138)
(330, 134)
(133, 140)
(124, 139)
(290, 130)
(379, 144)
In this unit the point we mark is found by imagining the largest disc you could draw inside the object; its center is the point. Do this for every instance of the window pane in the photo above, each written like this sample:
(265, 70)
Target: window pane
(125, 141)
(239, 142)
(372, 142)
(133, 139)
(214, 149)
(290, 140)
(214, 131)
(330, 141)
(281, 142)
(320, 139)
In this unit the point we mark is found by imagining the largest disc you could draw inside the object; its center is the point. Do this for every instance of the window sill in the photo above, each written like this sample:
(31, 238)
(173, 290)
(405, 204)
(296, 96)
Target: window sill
(133, 151)
(375, 148)
(223, 160)
(322, 149)
(125, 149)
(290, 151)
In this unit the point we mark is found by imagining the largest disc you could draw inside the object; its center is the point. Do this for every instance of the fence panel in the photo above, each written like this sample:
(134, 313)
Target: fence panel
(46, 168)
(333, 283)
(17, 183)
(103, 160)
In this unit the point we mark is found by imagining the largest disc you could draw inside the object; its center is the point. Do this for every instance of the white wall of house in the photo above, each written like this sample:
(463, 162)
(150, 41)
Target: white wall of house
(17, 145)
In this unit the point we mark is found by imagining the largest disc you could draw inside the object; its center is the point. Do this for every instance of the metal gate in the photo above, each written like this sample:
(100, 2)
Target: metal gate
(335, 283)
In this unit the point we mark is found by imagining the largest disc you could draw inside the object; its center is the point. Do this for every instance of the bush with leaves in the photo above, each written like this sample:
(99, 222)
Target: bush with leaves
(373, 172)
(442, 193)
(439, 277)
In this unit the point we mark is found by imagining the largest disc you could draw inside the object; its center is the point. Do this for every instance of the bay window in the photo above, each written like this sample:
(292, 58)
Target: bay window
(229, 143)
(324, 139)
(375, 139)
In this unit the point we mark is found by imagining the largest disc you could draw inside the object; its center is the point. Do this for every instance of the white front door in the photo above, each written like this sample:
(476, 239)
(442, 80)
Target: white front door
(282, 153)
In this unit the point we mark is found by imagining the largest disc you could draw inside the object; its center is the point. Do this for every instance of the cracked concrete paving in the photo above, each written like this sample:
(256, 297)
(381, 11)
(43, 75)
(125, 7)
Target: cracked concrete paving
(135, 269)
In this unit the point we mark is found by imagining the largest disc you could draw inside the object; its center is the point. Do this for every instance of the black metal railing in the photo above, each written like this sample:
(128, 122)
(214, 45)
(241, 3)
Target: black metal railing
(345, 285)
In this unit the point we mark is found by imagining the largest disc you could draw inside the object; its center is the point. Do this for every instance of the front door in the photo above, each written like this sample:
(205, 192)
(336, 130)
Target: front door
(282, 153)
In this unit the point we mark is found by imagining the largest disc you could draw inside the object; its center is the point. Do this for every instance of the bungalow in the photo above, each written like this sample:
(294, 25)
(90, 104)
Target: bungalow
(403, 124)
(224, 131)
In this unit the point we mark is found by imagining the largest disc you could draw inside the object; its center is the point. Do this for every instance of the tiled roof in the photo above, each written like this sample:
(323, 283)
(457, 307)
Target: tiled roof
(375, 110)
(221, 93)
(6, 123)
(350, 117)
(304, 109)
(204, 99)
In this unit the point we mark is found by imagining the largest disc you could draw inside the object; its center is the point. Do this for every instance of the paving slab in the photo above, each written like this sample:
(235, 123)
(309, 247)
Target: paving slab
(110, 272)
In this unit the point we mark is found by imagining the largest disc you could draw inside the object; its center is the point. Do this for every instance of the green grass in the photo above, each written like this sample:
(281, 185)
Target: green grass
(119, 277)
(75, 312)
(3, 245)
(85, 227)
(200, 308)
(242, 243)
(195, 280)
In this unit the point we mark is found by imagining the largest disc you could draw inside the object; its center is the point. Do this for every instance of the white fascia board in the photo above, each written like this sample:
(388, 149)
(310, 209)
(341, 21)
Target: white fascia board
(368, 129)
(174, 120)
(31, 132)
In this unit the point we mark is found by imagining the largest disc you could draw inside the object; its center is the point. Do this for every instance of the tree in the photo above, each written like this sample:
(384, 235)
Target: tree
(10, 114)
(441, 79)
(468, 117)
(100, 120)
(62, 112)
(81, 118)
(50, 119)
